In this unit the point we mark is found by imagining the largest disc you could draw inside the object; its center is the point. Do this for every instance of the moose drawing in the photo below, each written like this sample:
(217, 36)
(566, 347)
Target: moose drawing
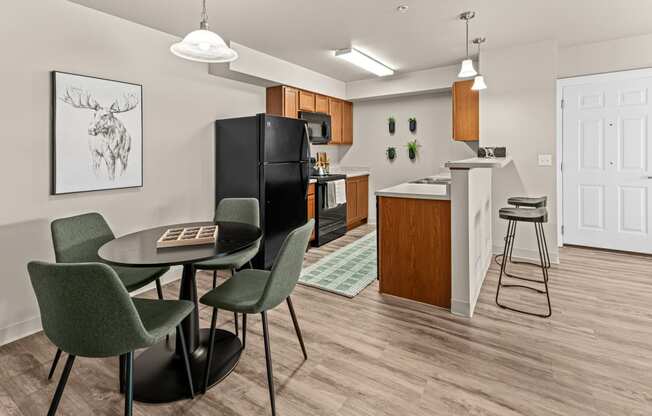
(109, 139)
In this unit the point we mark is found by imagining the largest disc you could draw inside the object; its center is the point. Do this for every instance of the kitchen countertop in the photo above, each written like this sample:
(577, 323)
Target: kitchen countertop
(479, 162)
(417, 191)
(351, 172)
(312, 181)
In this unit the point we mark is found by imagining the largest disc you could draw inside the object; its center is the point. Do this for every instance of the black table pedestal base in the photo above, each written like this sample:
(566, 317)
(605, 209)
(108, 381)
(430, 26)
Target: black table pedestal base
(159, 374)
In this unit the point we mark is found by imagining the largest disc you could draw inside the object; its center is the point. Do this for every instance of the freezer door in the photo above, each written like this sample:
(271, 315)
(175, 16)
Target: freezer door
(285, 204)
(284, 140)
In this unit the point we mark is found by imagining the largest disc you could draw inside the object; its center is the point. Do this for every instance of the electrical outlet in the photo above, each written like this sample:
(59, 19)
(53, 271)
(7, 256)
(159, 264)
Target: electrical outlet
(545, 160)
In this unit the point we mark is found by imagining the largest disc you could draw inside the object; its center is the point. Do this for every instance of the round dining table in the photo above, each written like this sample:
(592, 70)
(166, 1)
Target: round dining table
(159, 372)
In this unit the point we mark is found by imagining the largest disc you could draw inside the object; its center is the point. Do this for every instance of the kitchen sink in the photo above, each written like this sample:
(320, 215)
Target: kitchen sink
(433, 181)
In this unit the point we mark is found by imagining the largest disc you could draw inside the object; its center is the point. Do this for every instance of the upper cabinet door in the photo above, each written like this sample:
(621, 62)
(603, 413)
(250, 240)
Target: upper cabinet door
(290, 102)
(321, 104)
(306, 101)
(335, 110)
(347, 122)
(466, 112)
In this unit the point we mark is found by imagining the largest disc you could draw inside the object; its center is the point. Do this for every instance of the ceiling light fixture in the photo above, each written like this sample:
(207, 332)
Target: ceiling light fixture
(478, 82)
(203, 45)
(403, 8)
(467, 69)
(365, 62)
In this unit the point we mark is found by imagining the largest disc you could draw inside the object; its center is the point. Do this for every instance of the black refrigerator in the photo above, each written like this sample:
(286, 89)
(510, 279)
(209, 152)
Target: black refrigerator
(265, 157)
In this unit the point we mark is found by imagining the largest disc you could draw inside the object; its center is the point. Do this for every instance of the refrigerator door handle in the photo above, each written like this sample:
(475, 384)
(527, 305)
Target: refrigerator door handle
(305, 148)
(305, 178)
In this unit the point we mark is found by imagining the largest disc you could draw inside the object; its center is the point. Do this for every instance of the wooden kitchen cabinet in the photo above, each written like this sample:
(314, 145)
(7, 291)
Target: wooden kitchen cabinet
(466, 112)
(321, 104)
(357, 201)
(306, 101)
(311, 206)
(335, 111)
(347, 122)
(283, 101)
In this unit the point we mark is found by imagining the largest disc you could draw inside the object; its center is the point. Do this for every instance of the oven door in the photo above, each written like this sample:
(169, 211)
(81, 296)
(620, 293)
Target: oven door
(330, 222)
(319, 127)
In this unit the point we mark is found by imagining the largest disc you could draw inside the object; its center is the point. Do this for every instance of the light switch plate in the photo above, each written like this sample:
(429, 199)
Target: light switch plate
(545, 160)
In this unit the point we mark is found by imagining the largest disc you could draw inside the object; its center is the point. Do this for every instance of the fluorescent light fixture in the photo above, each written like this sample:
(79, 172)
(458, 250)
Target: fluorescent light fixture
(358, 58)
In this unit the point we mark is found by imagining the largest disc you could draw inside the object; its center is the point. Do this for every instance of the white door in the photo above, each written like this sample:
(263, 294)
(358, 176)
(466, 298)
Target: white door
(607, 162)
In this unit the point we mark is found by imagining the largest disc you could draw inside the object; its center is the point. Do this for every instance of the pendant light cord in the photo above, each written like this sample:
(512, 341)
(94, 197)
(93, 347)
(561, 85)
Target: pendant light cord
(204, 16)
(467, 38)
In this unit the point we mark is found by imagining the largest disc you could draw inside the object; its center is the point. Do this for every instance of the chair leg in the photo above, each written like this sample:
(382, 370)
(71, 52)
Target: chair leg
(122, 365)
(186, 362)
(159, 289)
(235, 314)
(214, 279)
(54, 363)
(129, 383)
(244, 330)
(296, 327)
(211, 347)
(268, 362)
(251, 265)
(62, 385)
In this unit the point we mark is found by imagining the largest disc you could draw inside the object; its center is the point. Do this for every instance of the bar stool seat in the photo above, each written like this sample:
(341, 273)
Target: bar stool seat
(530, 202)
(539, 215)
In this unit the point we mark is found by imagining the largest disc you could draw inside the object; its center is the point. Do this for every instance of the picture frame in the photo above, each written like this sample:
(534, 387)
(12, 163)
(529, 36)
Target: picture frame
(96, 134)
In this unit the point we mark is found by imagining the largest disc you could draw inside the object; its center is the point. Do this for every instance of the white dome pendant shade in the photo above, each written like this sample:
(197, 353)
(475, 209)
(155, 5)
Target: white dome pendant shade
(203, 45)
(478, 84)
(467, 69)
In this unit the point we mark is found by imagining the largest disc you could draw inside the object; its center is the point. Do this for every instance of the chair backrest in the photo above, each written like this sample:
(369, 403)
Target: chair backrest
(287, 267)
(243, 210)
(77, 239)
(86, 310)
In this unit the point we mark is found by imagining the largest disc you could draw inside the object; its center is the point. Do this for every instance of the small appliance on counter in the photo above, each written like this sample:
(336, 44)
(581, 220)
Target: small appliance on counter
(321, 165)
(489, 152)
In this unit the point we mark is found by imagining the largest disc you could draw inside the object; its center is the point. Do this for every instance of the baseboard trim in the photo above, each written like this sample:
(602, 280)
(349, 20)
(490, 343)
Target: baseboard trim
(524, 254)
(33, 325)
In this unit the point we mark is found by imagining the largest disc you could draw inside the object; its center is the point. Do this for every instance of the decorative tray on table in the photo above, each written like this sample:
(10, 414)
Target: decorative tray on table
(189, 236)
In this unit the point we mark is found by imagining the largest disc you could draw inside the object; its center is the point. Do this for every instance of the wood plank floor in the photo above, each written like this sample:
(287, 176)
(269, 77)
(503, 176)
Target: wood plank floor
(377, 355)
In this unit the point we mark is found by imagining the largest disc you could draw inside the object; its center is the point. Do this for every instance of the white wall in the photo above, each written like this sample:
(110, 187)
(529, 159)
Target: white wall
(517, 110)
(181, 100)
(613, 55)
(371, 138)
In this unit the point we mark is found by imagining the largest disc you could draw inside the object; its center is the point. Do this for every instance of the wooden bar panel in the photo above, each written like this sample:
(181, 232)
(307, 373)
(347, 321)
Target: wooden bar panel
(466, 112)
(414, 249)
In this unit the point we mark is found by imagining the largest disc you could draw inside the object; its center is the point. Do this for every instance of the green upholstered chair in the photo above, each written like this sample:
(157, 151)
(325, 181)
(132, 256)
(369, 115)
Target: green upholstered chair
(86, 311)
(257, 291)
(77, 240)
(243, 210)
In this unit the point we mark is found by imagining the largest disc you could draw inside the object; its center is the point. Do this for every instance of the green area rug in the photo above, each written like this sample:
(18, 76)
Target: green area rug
(346, 271)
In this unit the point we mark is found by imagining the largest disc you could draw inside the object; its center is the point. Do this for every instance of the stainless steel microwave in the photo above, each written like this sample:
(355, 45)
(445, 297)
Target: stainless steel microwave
(319, 126)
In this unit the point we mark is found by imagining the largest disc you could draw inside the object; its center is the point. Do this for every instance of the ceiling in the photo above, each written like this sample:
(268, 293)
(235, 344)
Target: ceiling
(306, 32)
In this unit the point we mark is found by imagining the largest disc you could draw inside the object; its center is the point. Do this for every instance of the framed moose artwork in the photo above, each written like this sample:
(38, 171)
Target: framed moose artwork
(97, 134)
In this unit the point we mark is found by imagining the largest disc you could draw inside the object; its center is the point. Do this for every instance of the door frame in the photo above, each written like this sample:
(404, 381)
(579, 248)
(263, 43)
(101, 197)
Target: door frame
(566, 82)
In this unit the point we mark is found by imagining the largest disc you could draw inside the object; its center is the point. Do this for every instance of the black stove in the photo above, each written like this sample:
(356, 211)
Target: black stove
(330, 221)
(328, 177)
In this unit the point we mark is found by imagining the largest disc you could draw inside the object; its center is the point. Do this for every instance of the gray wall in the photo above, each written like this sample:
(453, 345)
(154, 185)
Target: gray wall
(371, 137)
(181, 100)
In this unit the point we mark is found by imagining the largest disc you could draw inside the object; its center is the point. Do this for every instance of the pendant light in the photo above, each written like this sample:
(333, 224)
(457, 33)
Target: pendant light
(203, 45)
(478, 82)
(467, 69)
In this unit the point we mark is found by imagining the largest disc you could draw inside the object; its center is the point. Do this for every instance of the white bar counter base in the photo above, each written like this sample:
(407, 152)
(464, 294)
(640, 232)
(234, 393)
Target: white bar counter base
(471, 229)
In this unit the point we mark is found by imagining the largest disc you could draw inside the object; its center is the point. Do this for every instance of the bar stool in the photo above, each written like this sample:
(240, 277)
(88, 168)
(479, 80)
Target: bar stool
(537, 216)
(527, 202)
